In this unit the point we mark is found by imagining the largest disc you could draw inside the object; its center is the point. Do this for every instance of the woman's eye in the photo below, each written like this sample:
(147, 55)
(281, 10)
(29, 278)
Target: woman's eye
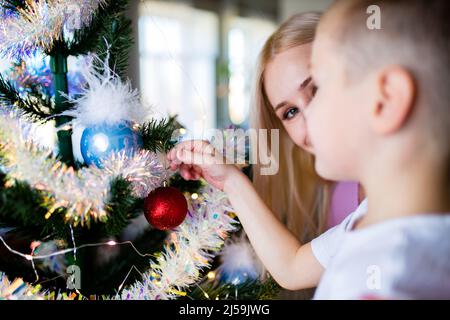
(290, 113)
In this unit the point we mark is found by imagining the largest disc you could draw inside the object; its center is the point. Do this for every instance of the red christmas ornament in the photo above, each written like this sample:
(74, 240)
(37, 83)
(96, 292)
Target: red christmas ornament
(165, 208)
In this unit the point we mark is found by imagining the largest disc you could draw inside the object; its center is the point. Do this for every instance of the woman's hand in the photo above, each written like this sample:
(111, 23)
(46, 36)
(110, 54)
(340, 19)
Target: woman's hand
(199, 159)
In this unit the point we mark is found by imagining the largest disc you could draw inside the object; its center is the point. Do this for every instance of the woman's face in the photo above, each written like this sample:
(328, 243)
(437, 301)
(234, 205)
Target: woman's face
(289, 89)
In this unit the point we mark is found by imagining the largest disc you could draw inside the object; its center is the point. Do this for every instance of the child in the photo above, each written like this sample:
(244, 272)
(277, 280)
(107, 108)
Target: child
(389, 107)
(380, 116)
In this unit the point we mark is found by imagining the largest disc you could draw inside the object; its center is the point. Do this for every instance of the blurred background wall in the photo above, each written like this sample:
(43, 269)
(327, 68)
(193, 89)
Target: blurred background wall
(288, 7)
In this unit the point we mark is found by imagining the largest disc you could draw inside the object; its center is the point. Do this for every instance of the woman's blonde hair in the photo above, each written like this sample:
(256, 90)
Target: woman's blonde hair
(295, 194)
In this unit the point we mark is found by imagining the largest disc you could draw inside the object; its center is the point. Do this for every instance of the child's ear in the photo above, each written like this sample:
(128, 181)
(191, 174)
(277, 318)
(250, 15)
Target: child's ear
(395, 99)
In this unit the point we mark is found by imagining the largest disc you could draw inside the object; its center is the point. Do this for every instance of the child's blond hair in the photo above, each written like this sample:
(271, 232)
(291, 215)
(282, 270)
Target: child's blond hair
(414, 34)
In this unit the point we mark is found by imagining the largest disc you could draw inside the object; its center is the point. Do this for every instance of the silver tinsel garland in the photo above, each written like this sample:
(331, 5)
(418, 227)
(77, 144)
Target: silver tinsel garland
(42, 22)
(83, 193)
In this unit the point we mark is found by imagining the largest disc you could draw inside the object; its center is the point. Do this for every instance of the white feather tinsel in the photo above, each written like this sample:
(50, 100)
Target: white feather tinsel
(106, 99)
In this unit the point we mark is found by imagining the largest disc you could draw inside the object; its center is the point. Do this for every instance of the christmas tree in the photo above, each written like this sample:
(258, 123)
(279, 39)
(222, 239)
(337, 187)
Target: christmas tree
(96, 215)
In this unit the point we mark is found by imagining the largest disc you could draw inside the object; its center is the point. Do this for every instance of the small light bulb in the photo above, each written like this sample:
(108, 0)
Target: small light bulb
(112, 243)
(182, 131)
(101, 142)
(194, 196)
(211, 275)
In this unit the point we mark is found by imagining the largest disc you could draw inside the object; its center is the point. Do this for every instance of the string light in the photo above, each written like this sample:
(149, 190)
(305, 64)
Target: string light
(126, 277)
(204, 292)
(73, 242)
(62, 252)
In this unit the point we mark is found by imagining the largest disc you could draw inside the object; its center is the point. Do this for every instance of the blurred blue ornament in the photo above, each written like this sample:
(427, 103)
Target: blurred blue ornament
(99, 141)
(239, 263)
(238, 276)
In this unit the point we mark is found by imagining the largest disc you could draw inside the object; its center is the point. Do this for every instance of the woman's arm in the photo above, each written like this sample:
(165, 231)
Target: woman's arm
(291, 264)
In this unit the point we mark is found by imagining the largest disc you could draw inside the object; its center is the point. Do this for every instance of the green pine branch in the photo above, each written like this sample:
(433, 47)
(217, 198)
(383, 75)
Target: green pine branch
(269, 290)
(110, 33)
(23, 207)
(157, 135)
(117, 42)
(34, 106)
(249, 290)
(122, 207)
(183, 185)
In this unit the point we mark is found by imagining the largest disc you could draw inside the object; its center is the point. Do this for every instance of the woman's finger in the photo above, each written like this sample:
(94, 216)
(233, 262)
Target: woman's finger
(173, 166)
(186, 171)
(197, 172)
(189, 169)
(195, 158)
(197, 169)
(200, 146)
(170, 154)
(185, 175)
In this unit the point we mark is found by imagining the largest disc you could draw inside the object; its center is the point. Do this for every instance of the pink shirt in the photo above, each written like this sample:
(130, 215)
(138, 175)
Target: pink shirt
(344, 201)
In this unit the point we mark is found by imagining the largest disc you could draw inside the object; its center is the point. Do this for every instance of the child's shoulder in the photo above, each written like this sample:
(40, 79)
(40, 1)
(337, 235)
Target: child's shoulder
(419, 231)
(410, 255)
(326, 245)
(405, 238)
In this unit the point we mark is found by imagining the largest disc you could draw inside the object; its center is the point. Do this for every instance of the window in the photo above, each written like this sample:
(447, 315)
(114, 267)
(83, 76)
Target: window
(178, 48)
(245, 40)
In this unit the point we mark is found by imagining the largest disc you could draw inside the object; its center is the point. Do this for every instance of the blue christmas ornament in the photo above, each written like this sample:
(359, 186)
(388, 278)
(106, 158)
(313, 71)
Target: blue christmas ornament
(239, 276)
(99, 141)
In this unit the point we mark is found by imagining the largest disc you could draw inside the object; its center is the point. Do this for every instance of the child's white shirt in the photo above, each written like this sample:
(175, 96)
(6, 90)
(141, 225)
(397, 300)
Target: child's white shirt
(403, 258)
